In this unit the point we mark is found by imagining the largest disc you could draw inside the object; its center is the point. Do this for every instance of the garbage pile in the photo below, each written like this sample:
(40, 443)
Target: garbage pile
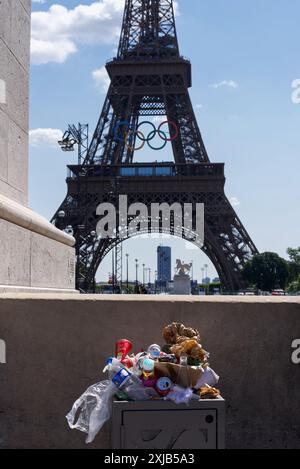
(178, 371)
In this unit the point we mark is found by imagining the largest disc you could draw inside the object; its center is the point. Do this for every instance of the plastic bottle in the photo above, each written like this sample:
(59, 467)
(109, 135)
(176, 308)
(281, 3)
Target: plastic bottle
(126, 381)
(183, 378)
(108, 367)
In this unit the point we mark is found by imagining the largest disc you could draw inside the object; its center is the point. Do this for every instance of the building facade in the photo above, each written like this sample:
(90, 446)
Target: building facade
(164, 262)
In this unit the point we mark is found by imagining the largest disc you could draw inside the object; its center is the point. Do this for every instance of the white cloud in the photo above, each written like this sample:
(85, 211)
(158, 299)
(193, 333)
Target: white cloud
(101, 79)
(43, 52)
(225, 83)
(199, 106)
(40, 137)
(234, 201)
(57, 33)
(296, 94)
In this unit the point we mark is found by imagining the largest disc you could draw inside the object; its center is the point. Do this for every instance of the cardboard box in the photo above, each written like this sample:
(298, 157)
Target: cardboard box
(184, 376)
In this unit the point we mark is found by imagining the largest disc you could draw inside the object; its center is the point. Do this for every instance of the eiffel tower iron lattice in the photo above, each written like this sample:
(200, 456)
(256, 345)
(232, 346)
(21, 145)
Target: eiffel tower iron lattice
(150, 78)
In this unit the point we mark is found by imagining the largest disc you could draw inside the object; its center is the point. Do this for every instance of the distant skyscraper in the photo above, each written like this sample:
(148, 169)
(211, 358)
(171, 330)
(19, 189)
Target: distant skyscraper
(164, 274)
(216, 280)
(206, 281)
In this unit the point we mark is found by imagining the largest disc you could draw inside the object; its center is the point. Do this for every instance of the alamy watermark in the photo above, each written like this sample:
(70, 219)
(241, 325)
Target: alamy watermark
(2, 352)
(296, 352)
(123, 221)
(296, 93)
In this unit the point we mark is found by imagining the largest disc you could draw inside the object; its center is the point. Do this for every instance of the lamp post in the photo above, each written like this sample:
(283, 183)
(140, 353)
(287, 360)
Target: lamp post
(127, 274)
(113, 269)
(206, 267)
(144, 274)
(192, 263)
(93, 237)
(59, 222)
(207, 285)
(136, 272)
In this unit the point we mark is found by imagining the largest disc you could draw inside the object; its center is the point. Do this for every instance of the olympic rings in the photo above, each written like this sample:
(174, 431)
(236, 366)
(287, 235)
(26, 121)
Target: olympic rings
(133, 132)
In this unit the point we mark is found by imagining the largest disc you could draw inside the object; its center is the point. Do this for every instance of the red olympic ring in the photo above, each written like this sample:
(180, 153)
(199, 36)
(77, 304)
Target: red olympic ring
(175, 127)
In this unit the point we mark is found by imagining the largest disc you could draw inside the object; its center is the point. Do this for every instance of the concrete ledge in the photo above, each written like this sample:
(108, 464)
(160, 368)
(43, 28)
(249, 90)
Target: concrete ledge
(26, 218)
(172, 299)
(56, 347)
(30, 260)
(14, 290)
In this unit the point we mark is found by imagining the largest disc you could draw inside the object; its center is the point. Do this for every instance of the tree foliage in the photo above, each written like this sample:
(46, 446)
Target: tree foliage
(294, 263)
(294, 270)
(267, 272)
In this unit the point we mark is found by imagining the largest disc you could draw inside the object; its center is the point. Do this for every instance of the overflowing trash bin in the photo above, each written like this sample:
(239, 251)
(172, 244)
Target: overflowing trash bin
(167, 426)
(163, 397)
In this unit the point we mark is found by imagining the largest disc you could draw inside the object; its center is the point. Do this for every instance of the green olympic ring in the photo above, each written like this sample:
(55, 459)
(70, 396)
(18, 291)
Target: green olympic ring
(163, 145)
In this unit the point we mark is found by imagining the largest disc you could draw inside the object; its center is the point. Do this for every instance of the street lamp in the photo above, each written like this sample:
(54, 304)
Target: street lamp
(162, 271)
(59, 222)
(206, 267)
(136, 271)
(127, 273)
(144, 274)
(93, 236)
(113, 269)
(207, 284)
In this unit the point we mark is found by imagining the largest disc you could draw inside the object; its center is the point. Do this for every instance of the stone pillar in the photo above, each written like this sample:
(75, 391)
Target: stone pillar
(34, 255)
(182, 285)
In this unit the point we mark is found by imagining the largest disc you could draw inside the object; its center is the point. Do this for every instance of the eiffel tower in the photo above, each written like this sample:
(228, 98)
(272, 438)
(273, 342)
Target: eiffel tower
(148, 78)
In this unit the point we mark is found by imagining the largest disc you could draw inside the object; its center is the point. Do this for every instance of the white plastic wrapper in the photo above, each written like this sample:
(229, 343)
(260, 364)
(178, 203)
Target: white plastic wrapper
(179, 395)
(209, 378)
(93, 409)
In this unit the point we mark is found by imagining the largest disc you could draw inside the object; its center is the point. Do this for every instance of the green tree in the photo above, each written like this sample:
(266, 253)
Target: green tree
(294, 287)
(267, 271)
(294, 263)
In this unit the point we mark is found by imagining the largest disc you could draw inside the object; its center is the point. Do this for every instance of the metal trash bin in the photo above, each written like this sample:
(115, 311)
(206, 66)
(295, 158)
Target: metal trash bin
(164, 425)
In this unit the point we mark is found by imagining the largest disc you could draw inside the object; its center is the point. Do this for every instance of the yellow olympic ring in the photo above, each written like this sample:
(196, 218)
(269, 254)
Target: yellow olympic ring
(130, 147)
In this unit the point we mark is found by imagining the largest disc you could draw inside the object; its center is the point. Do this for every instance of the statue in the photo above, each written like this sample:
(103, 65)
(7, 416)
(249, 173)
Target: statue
(182, 269)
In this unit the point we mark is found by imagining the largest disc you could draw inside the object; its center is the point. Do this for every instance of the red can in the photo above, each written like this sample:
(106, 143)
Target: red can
(123, 348)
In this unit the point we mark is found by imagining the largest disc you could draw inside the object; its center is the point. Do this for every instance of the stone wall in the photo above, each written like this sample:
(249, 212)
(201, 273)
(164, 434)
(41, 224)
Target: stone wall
(14, 84)
(34, 255)
(56, 347)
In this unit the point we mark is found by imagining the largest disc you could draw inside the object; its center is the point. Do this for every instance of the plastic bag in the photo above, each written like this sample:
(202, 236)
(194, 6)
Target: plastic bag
(95, 409)
(138, 392)
(179, 395)
(209, 378)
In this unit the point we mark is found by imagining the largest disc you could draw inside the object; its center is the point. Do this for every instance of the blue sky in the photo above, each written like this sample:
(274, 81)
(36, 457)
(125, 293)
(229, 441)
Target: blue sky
(245, 57)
